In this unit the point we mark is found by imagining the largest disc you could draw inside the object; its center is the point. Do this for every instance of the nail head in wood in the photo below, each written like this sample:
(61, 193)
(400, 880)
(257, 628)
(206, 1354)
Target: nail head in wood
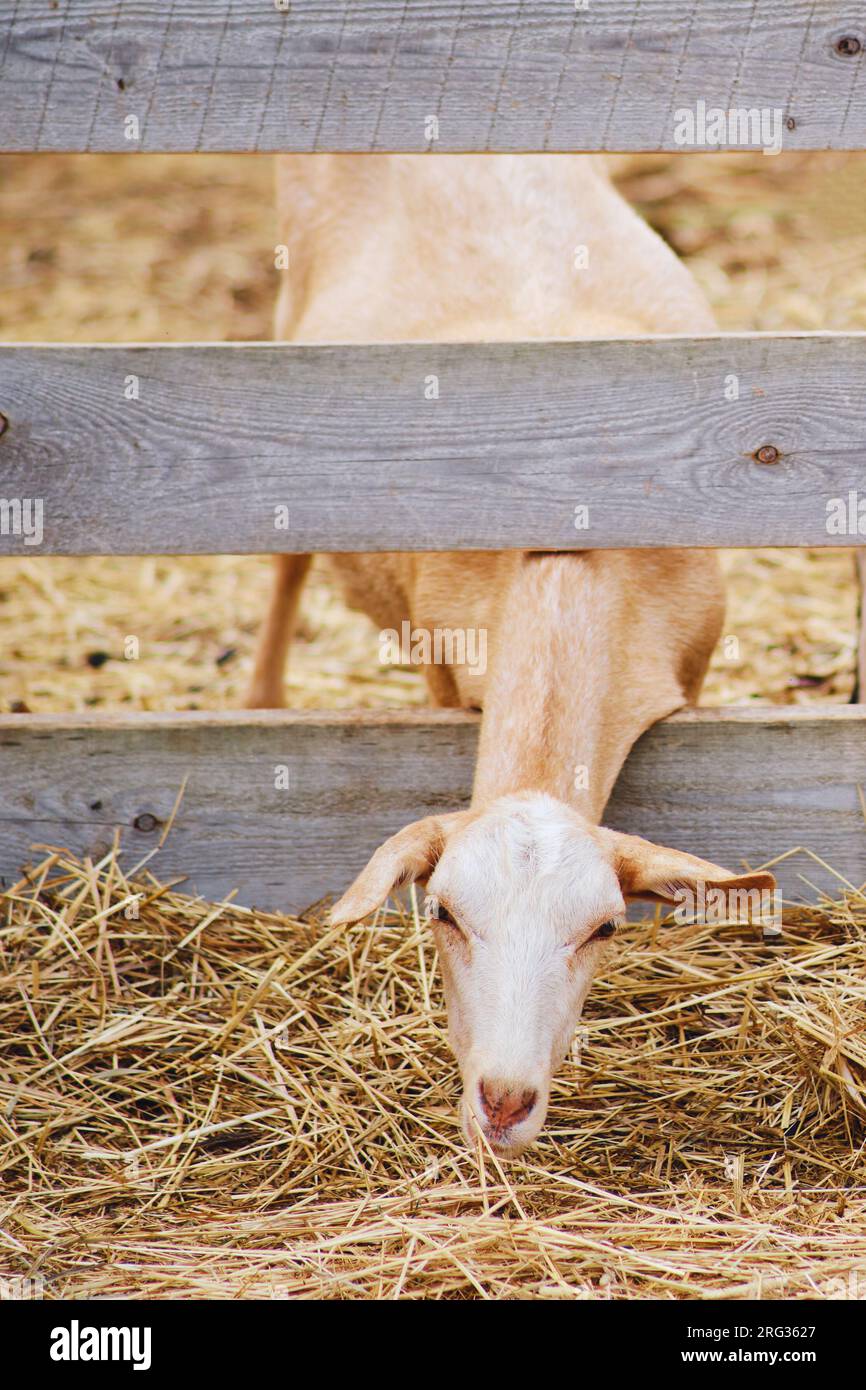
(768, 453)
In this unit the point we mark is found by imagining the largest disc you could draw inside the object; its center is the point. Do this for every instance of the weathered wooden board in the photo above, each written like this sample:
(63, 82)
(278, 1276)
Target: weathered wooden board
(733, 785)
(551, 445)
(391, 74)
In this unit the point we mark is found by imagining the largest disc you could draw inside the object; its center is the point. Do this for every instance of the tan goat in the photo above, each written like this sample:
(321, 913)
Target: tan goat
(586, 649)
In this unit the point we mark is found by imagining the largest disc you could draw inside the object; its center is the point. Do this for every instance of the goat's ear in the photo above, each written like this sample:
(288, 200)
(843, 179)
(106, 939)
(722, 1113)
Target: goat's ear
(409, 855)
(656, 874)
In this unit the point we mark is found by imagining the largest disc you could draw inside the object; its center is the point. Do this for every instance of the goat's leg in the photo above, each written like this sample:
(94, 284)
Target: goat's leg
(860, 688)
(266, 686)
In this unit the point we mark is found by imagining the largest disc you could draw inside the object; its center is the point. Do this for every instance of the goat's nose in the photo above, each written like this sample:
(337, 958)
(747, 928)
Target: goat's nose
(506, 1105)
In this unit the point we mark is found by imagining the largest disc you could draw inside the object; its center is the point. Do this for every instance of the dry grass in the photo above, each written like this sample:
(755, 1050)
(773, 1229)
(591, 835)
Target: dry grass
(210, 1102)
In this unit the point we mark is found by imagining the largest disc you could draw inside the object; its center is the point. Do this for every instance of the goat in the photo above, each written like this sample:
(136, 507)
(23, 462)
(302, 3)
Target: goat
(587, 649)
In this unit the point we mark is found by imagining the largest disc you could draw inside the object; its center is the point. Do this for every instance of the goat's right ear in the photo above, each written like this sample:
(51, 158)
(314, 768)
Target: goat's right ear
(656, 874)
(411, 854)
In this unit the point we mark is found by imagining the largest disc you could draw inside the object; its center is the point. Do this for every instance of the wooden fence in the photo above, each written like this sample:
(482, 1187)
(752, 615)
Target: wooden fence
(217, 444)
(491, 75)
(730, 440)
(286, 807)
(723, 440)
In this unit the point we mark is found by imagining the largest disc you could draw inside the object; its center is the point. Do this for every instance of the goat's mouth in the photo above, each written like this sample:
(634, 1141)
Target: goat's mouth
(505, 1146)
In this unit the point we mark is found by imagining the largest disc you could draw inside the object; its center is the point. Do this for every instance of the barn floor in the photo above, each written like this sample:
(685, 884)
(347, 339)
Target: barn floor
(202, 1101)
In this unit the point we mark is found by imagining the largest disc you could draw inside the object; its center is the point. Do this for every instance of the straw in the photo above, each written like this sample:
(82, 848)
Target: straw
(208, 1101)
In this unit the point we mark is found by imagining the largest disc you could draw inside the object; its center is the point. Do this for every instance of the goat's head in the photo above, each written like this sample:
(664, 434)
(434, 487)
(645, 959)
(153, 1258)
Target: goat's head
(523, 897)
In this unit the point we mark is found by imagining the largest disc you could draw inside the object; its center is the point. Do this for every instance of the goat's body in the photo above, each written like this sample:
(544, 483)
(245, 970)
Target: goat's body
(585, 650)
(405, 247)
(399, 248)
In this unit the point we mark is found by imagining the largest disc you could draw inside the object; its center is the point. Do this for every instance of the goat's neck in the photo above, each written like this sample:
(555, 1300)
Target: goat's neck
(570, 687)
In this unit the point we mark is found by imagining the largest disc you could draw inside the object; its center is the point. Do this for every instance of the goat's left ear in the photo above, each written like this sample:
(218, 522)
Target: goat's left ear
(657, 874)
(411, 854)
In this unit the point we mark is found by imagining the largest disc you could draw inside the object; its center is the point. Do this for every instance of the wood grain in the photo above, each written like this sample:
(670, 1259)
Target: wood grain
(224, 443)
(369, 75)
(735, 786)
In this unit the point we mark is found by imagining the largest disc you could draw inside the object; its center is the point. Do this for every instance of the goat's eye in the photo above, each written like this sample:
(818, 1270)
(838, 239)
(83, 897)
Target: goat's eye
(437, 912)
(605, 930)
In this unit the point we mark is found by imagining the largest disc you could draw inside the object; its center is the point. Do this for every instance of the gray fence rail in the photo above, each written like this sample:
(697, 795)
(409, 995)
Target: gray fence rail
(284, 807)
(717, 441)
(430, 74)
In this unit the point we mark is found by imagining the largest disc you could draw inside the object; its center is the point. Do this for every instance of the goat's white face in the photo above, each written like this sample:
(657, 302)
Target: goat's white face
(522, 901)
(523, 896)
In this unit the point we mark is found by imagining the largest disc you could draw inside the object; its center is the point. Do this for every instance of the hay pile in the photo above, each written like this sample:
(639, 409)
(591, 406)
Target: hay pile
(205, 1101)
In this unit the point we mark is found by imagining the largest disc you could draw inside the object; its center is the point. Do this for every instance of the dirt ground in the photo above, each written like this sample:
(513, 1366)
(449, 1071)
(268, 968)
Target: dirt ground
(165, 248)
